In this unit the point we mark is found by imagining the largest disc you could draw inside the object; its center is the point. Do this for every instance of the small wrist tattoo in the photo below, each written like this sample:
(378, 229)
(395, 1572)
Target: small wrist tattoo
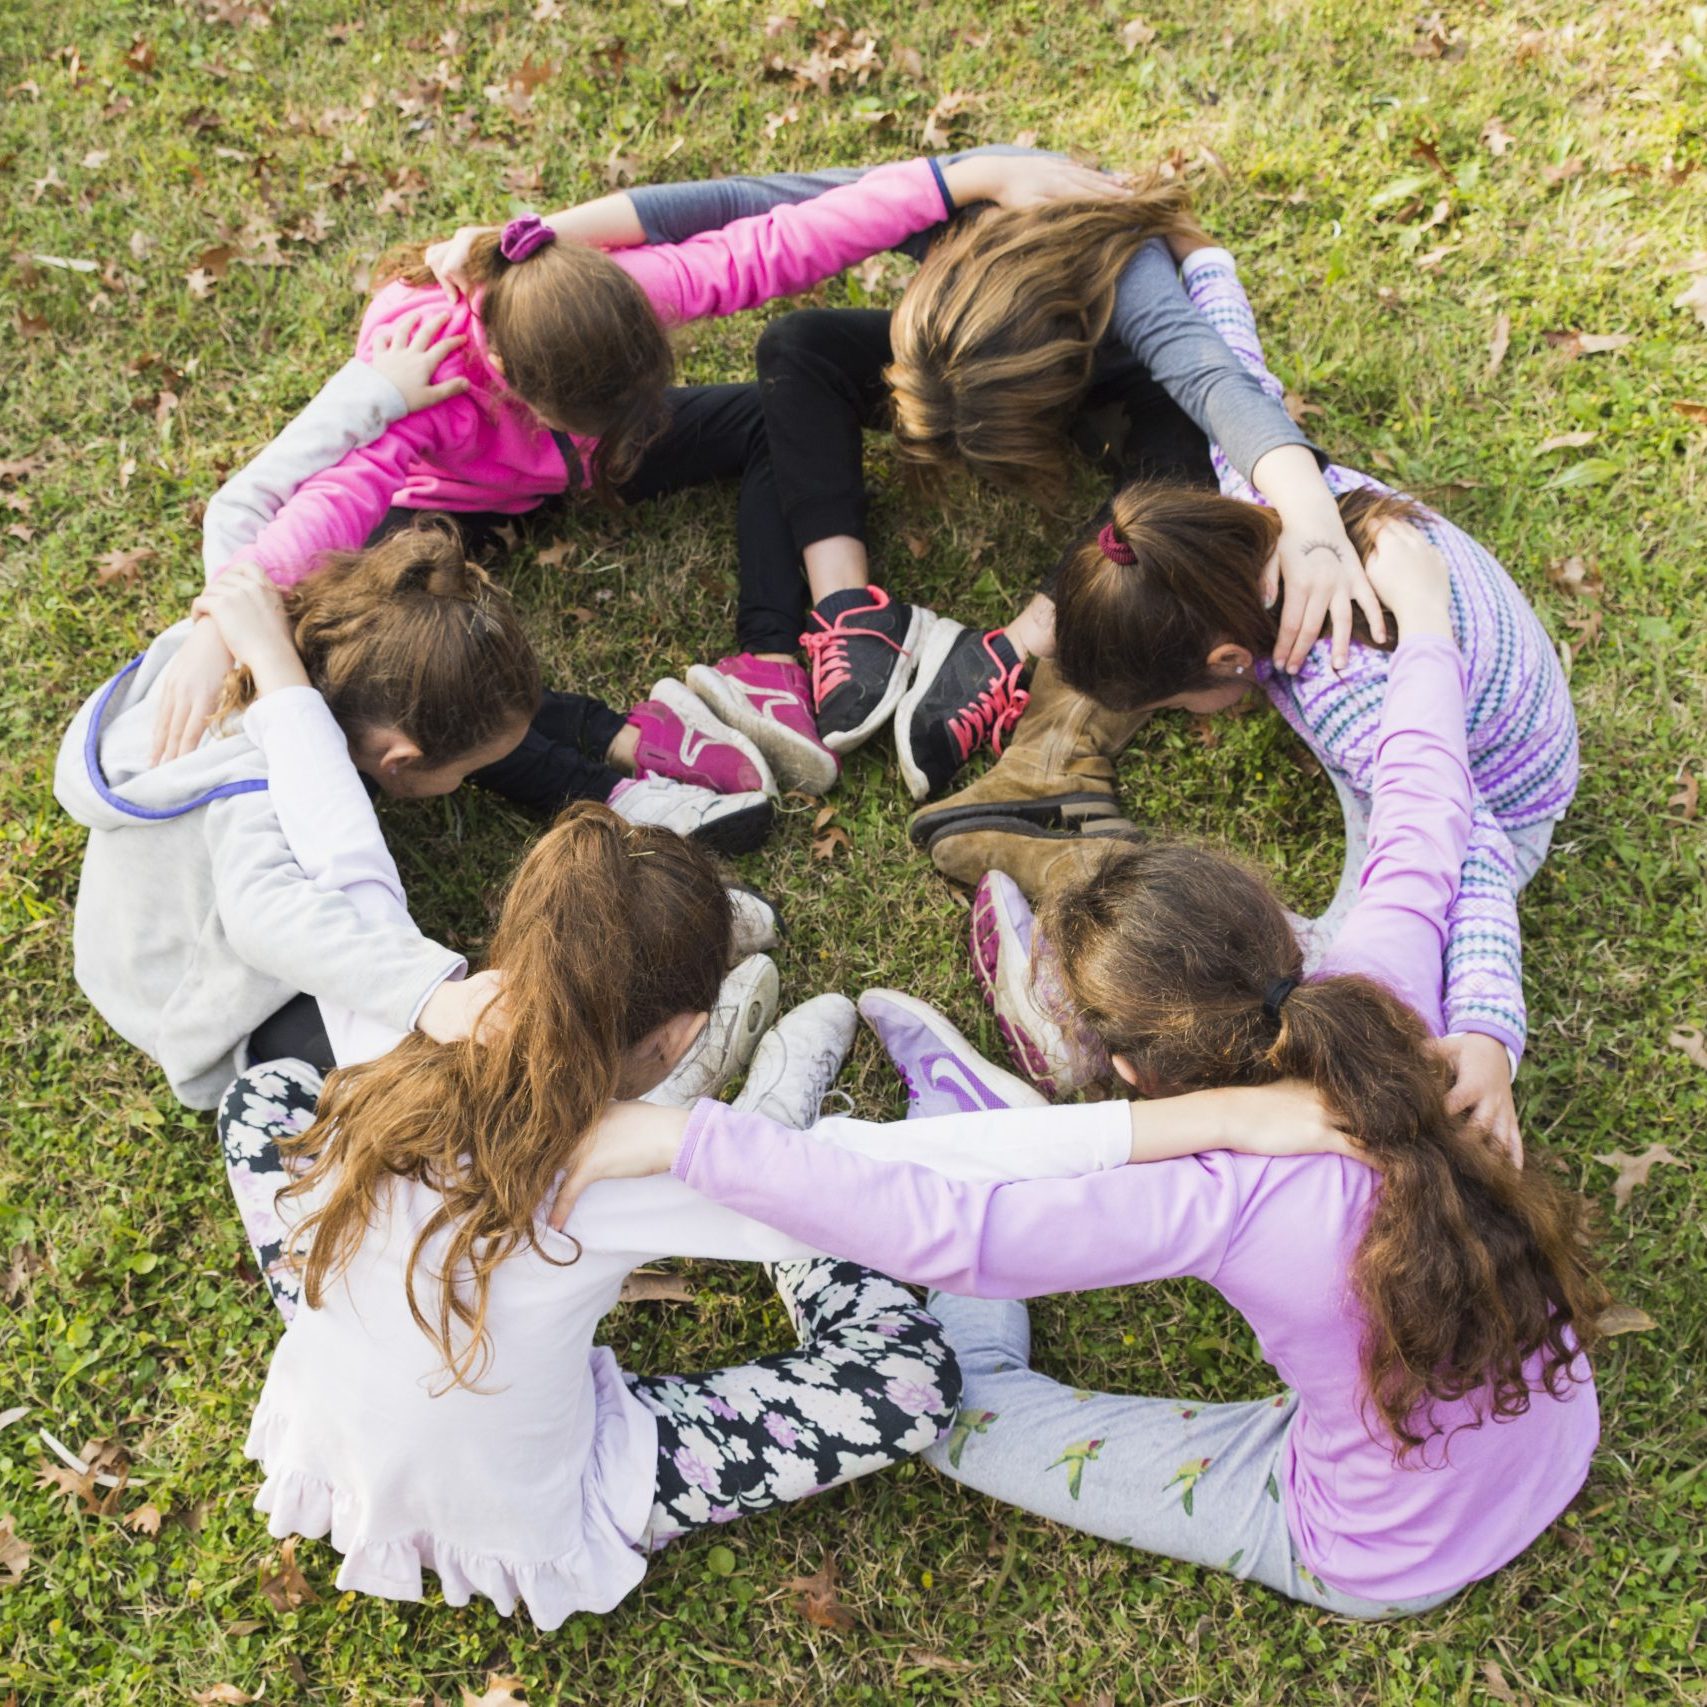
(1310, 545)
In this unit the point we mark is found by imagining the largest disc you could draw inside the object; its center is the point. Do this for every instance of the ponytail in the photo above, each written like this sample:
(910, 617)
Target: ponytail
(410, 635)
(1184, 962)
(1166, 574)
(608, 930)
(580, 343)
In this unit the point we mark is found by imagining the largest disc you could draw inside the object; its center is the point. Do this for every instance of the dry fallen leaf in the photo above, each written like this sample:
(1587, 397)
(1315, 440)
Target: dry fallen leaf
(824, 845)
(817, 1600)
(1692, 411)
(1494, 1681)
(1428, 152)
(1578, 576)
(1598, 343)
(1563, 171)
(1297, 408)
(1634, 1170)
(1498, 344)
(1687, 798)
(145, 1520)
(1135, 33)
(1496, 138)
(287, 1588)
(1618, 1319)
(1565, 441)
(939, 122)
(1688, 1039)
(500, 1692)
(222, 1695)
(122, 565)
(14, 1553)
(654, 1286)
(1694, 298)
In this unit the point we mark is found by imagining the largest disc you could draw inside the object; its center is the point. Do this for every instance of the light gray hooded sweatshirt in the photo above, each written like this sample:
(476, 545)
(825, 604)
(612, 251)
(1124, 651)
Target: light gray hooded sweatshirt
(194, 923)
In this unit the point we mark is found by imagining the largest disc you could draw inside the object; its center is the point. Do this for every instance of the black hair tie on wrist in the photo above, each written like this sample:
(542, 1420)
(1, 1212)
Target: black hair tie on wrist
(1278, 991)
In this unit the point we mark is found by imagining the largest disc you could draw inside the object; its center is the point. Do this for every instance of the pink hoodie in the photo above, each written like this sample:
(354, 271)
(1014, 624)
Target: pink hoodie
(485, 450)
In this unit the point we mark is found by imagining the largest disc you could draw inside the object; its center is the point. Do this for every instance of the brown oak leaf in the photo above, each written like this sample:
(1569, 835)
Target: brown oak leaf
(1634, 1170)
(816, 1599)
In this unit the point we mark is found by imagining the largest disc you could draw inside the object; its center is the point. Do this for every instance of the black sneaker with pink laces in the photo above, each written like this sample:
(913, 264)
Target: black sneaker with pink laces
(861, 645)
(965, 693)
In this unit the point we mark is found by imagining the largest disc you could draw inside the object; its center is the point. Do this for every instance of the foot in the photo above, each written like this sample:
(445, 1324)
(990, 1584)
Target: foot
(682, 738)
(943, 1073)
(771, 704)
(798, 1059)
(965, 693)
(1034, 857)
(758, 925)
(862, 647)
(1025, 992)
(726, 823)
(746, 1005)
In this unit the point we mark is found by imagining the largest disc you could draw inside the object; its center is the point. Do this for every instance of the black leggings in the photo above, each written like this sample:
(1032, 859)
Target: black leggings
(716, 432)
(821, 379)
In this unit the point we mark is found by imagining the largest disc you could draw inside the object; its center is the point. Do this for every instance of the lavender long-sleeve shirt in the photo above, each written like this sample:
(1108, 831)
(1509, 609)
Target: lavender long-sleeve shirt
(1275, 1237)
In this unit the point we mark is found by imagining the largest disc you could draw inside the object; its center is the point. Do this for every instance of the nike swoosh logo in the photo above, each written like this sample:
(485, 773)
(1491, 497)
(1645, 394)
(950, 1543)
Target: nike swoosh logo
(949, 1075)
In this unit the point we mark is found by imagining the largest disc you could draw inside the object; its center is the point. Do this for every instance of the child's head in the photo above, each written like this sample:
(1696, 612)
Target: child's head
(1158, 602)
(612, 943)
(996, 336)
(575, 338)
(420, 657)
(1185, 964)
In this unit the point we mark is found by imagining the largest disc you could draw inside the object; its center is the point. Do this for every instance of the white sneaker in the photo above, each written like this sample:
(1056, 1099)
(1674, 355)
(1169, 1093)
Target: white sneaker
(746, 1005)
(798, 1060)
(728, 823)
(758, 925)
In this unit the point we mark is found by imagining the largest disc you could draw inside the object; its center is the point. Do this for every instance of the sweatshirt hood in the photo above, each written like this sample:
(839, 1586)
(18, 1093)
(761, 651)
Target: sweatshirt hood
(103, 777)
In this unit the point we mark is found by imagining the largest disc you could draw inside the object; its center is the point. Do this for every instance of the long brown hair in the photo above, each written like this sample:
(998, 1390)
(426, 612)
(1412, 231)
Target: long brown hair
(1132, 634)
(581, 344)
(410, 635)
(1468, 1266)
(996, 335)
(609, 929)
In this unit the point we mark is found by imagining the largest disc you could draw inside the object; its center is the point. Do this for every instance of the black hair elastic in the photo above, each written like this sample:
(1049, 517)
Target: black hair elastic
(1278, 991)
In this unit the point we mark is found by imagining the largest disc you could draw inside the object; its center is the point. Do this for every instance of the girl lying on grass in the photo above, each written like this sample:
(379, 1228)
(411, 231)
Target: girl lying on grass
(568, 365)
(1161, 604)
(1426, 1302)
(437, 1401)
(1026, 324)
(196, 937)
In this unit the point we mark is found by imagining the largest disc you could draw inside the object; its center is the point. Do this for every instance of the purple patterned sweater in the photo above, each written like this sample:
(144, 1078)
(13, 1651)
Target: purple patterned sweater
(1522, 730)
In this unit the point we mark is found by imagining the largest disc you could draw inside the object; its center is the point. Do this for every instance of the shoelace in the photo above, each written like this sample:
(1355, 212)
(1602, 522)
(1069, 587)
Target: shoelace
(828, 651)
(991, 716)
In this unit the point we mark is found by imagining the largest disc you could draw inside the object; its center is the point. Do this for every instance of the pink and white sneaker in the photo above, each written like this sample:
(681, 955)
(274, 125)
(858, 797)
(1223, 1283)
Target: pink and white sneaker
(771, 704)
(1020, 977)
(681, 739)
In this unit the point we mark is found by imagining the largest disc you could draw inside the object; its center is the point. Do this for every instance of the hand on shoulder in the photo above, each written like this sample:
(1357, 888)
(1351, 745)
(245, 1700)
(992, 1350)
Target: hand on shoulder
(408, 353)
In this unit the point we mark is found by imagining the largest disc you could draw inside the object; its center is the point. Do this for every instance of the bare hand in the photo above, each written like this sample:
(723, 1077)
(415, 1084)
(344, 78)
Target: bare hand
(248, 612)
(1287, 1118)
(1412, 579)
(1029, 180)
(448, 260)
(408, 354)
(1323, 578)
(632, 1141)
(462, 1008)
(1481, 1090)
(190, 687)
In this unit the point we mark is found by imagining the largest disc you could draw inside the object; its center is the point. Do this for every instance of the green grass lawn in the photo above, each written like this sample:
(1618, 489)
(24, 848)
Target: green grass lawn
(1406, 191)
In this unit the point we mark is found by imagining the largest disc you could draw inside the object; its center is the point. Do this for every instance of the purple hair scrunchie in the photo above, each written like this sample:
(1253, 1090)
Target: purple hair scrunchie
(525, 236)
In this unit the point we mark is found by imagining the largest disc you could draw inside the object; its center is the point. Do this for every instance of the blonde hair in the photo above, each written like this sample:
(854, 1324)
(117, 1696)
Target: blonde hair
(995, 338)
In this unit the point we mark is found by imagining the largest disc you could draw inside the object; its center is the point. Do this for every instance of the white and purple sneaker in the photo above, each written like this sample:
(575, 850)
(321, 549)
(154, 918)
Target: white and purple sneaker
(681, 738)
(770, 703)
(1020, 978)
(943, 1073)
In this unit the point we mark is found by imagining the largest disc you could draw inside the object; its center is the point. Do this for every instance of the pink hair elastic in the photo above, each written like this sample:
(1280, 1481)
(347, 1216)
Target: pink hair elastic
(1114, 548)
(525, 236)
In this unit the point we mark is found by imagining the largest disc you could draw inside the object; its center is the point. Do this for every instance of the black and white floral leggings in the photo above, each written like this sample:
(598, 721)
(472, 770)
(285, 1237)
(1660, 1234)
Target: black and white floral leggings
(873, 1381)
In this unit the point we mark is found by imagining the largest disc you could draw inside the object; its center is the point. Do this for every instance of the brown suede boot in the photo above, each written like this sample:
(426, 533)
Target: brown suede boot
(1056, 771)
(1034, 857)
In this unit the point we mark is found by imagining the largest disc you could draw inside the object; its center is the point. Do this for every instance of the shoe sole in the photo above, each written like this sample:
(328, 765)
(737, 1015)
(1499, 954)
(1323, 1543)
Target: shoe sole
(1008, 825)
(736, 832)
(938, 644)
(990, 934)
(1048, 812)
(918, 630)
(1016, 1092)
(797, 761)
(757, 1011)
(688, 705)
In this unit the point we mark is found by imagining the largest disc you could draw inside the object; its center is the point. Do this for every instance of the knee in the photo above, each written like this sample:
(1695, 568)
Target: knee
(798, 337)
(941, 1399)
